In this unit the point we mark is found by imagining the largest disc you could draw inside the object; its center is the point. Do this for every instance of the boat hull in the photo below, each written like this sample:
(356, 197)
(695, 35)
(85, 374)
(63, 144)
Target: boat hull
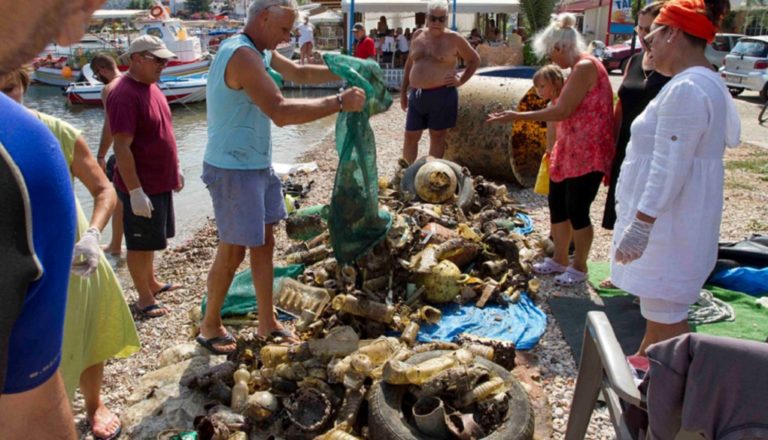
(53, 76)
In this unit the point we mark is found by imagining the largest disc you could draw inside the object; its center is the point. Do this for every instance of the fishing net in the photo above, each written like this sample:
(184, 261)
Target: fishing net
(355, 222)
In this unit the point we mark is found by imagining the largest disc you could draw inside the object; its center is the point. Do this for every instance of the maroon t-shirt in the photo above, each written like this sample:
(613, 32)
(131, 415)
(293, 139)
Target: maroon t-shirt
(142, 111)
(365, 48)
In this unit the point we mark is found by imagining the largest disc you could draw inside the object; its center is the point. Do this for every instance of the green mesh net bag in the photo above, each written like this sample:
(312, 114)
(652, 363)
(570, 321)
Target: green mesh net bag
(355, 222)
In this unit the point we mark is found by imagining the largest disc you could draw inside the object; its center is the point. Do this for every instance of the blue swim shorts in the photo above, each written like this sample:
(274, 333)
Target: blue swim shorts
(435, 109)
(244, 201)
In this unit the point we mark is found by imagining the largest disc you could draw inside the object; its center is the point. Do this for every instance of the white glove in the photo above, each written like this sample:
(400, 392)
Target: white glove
(633, 242)
(87, 248)
(140, 203)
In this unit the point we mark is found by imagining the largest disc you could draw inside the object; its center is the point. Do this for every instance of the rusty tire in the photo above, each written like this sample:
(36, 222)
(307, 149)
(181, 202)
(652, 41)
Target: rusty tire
(386, 420)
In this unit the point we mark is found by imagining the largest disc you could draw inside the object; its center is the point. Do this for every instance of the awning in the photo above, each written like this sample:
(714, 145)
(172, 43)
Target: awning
(121, 14)
(326, 17)
(579, 5)
(462, 6)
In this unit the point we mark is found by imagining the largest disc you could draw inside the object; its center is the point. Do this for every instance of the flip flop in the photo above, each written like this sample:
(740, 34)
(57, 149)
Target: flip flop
(548, 266)
(167, 287)
(146, 311)
(607, 284)
(210, 343)
(570, 277)
(114, 435)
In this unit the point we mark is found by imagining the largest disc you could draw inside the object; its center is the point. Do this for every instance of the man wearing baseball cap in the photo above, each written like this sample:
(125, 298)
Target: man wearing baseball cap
(147, 170)
(364, 47)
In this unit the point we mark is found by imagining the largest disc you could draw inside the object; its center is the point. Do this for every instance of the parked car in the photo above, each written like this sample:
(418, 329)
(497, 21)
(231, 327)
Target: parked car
(617, 56)
(718, 49)
(746, 67)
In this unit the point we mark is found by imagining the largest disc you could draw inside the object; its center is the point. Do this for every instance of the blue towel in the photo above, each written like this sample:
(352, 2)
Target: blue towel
(749, 280)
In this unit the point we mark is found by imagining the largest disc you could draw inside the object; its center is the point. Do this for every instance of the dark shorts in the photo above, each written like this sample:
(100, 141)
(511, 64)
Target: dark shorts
(111, 167)
(572, 198)
(149, 234)
(435, 109)
(244, 202)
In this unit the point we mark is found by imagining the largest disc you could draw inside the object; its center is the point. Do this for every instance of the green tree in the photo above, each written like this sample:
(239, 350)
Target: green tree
(536, 14)
(193, 6)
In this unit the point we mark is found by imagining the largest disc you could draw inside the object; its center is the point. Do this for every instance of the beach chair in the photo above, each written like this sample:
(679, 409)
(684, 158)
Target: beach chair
(603, 369)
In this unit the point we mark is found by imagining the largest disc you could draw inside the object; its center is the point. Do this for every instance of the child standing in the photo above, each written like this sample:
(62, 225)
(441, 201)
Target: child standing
(548, 82)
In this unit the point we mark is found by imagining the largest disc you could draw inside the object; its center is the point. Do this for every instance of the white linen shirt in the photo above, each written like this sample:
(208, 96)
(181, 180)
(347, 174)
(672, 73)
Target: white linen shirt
(673, 171)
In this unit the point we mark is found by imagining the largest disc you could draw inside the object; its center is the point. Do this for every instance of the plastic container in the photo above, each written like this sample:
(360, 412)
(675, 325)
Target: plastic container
(340, 341)
(481, 350)
(363, 308)
(381, 349)
(486, 389)
(274, 355)
(293, 298)
(430, 315)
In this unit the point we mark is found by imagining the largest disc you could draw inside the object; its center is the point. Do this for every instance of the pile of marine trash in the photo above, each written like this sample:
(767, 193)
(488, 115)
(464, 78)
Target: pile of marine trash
(453, 238)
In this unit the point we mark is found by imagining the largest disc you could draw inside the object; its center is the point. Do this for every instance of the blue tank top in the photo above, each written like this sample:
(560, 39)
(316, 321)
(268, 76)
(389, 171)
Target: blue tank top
(35, 341)
(239, 133)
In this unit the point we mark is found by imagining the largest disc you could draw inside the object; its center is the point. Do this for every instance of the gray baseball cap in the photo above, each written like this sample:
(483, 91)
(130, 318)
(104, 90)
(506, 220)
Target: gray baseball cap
(147, 43)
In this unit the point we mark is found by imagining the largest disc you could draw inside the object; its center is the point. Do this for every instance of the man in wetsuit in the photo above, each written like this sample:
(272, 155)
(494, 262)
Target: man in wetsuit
(430, 73)
(37, 232)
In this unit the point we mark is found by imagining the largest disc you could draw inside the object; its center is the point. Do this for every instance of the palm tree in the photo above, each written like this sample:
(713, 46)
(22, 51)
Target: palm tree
(536, 14)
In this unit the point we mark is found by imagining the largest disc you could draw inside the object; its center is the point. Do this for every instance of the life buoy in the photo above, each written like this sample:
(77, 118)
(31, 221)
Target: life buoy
(156, 11)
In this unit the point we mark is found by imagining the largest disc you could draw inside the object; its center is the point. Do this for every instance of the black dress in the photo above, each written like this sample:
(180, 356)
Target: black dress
(636, 91)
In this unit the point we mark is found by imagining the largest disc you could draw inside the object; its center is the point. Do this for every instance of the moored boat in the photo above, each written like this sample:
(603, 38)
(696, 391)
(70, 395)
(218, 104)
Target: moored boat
(177, 90)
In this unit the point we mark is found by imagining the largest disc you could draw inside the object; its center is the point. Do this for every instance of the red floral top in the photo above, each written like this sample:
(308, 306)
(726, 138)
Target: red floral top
(584, 142)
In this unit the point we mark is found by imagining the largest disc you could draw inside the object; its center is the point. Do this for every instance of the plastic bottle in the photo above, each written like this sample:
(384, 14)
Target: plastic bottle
(380, 350)
(364, 308)
(240, 390)
(483, 390)
(430, 314)
(361, 363)
(410, 333)
(273, 355)
(481, 350)
(396, 372)
(420, 373)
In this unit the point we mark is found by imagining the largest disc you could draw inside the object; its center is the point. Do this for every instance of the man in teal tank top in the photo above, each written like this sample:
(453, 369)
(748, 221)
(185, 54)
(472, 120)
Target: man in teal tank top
(247, 198)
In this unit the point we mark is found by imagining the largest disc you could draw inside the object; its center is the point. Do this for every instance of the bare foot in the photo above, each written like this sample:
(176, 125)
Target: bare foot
(104, 423)
(607, 284)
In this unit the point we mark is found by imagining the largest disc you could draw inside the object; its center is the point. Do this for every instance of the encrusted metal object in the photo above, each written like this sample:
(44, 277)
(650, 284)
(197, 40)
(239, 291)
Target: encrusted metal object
(309, 409)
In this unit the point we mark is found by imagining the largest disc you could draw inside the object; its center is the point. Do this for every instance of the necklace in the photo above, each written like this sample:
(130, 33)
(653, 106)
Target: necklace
(648, 75)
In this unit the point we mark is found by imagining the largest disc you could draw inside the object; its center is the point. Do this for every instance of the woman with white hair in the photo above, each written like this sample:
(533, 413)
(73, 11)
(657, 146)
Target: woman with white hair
(583, 150)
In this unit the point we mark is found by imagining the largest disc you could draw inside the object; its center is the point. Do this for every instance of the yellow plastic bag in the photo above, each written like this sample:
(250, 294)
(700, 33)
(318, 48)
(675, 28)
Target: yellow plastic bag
(542, 179)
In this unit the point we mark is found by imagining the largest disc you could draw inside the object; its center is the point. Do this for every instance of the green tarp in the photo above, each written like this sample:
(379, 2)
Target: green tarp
(355, 223)
(751, 319)
(241, 297)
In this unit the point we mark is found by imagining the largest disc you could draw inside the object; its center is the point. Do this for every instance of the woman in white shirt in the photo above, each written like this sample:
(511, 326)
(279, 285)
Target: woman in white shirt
(670, 192)
(306, 41)
(403, 45)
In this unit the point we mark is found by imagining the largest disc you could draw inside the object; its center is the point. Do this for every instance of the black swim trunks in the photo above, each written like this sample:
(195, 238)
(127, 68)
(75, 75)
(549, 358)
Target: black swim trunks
(435, 109)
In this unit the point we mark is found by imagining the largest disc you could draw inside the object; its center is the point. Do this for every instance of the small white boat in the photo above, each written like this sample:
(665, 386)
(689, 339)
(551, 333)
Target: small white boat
(177, 90)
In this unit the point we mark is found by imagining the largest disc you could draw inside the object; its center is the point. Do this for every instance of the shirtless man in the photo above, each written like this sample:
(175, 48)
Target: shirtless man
(430, 72)
(105, 70)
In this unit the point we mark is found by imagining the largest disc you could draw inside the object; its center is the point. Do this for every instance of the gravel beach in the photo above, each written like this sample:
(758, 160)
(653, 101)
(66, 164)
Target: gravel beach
(549, 371)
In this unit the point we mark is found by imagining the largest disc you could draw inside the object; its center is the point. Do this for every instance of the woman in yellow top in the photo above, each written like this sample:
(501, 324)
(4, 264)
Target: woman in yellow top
(98, 324)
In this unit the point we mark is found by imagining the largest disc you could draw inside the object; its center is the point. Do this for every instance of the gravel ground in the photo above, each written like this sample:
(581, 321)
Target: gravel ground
(550, 366)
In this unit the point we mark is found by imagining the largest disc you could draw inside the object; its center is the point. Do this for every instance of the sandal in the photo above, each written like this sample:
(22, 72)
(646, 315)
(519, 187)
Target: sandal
(167, 287)
(548, 266)
(146, 312)
(114, 435)
(570, 277)
(210, 343)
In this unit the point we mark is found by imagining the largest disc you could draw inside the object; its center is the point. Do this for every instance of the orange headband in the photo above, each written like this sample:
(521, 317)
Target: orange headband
(689, 16)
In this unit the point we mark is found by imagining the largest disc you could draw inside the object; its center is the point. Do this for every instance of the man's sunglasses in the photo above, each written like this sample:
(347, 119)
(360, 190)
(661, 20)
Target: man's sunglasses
(440, 18)
(159, 61)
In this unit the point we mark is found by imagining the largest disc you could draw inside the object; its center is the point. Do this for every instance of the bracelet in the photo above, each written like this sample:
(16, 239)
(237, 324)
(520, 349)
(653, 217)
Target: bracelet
(341, 103)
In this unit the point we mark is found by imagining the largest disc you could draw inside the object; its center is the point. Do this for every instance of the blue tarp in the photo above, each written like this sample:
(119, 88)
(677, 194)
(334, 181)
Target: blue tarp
(528, 228)
(749, 280)
(522, 323)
